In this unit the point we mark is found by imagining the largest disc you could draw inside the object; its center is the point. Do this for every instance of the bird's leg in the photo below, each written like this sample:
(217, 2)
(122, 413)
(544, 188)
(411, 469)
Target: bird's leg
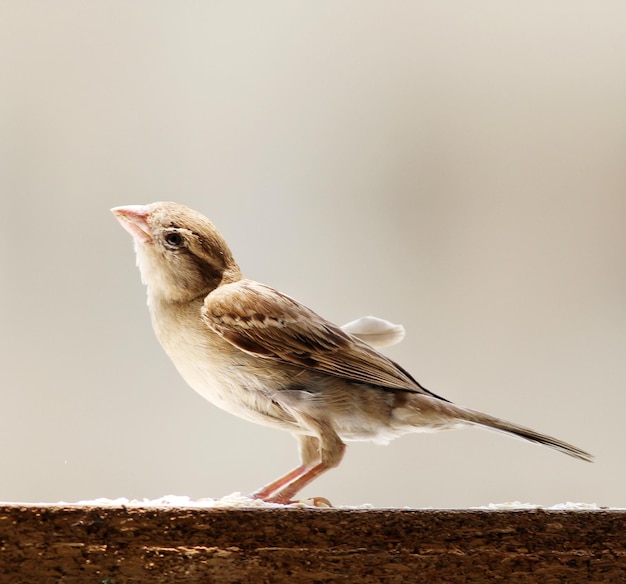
(318, 456)
(285, 495)
(265, 493)
(309, 456)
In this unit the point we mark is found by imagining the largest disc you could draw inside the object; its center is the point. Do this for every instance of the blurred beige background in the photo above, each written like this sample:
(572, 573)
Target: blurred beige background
(456, 167)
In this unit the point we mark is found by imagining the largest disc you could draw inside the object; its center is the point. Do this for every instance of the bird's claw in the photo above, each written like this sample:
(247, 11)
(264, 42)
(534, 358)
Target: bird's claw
(320, 502)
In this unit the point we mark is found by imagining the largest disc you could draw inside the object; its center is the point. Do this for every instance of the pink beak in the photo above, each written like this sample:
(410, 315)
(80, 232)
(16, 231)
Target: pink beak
(134, 218)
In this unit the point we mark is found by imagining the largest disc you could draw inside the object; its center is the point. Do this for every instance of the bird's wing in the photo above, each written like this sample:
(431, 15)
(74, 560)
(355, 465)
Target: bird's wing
(263, 322)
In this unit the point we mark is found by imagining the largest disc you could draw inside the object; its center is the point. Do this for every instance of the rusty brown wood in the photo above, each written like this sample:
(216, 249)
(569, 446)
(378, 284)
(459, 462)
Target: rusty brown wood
(112, 545)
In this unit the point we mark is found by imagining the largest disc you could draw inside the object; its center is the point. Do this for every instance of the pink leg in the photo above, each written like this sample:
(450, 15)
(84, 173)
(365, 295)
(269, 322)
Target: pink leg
(266, 492)
(283, 489)
(290, 489)
(318, 453)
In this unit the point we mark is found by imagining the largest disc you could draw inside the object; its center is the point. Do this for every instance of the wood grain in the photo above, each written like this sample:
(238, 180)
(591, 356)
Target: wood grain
(112, 545)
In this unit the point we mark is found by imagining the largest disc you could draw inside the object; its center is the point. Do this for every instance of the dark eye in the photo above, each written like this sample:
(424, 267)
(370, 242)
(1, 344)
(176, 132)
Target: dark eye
(174, 239)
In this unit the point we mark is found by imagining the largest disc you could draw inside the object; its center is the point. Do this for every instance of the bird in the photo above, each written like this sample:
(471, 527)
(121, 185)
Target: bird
(265, 357)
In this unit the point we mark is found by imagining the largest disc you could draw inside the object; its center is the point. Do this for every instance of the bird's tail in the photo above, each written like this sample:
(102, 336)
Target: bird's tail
(493, 423)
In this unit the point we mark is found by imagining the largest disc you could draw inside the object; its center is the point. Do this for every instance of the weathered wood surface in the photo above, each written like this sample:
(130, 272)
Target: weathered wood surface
(112, 545)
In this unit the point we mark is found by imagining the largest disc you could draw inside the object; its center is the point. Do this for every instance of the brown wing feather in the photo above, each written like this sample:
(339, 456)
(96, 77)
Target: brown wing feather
(263, 322)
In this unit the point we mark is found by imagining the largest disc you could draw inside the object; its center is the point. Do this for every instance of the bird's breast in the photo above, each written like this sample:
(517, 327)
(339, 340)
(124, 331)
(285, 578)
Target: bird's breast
(224, 375)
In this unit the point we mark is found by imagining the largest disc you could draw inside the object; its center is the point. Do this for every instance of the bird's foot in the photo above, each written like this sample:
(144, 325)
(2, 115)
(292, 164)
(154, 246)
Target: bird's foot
(319, 502)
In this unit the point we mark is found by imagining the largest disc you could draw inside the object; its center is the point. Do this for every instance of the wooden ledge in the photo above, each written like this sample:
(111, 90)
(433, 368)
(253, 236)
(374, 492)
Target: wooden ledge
(112, 545)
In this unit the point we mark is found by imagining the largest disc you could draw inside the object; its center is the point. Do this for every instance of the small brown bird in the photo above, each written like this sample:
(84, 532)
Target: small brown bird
(261, 355)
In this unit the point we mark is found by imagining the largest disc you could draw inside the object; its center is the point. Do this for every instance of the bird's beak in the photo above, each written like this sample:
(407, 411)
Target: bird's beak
(134, 218)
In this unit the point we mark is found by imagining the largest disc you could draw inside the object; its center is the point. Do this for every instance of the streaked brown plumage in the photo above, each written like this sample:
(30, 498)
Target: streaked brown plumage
(263, 356)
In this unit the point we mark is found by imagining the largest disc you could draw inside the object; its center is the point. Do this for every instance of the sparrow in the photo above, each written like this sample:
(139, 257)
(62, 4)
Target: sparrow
(263, 356)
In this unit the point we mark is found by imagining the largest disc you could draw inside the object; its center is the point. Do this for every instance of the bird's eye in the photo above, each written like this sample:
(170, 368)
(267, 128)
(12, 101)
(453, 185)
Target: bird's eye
(173, 239)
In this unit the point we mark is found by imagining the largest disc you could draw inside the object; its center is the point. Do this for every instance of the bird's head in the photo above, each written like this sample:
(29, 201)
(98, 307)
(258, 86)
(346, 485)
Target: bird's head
(180, 253)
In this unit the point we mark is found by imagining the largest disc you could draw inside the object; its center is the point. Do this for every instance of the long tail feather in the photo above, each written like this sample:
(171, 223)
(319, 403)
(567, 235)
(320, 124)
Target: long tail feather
(493, 423)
